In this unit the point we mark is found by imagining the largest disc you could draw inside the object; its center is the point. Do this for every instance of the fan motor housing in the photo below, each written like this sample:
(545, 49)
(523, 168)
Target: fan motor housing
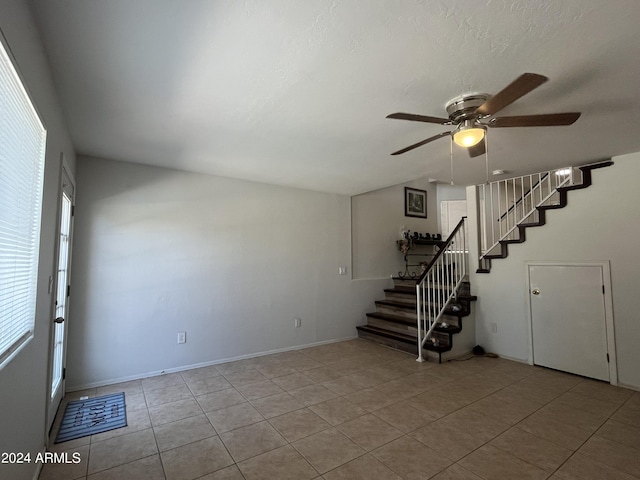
(464, 107)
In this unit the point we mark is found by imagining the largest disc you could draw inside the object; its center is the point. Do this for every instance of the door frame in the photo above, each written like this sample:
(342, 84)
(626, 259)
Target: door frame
(64, 170)
(608, 308)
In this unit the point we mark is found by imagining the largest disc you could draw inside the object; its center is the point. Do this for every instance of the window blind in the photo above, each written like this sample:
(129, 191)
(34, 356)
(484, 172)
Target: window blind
(22, 152)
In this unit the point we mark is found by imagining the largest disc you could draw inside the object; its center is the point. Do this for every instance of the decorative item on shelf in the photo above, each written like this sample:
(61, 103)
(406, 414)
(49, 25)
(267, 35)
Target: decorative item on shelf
(435, 341)
(405, 244)
(409, 240)
(437, 236)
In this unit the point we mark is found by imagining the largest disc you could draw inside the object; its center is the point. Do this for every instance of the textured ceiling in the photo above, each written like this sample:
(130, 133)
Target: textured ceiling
(296, 92)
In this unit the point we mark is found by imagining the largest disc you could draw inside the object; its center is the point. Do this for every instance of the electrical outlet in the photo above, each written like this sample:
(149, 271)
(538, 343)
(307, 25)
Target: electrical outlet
(493, 327)
(297, 322)
(182, 337)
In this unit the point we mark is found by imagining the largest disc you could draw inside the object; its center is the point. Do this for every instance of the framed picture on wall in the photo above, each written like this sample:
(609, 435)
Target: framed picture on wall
(415, 202)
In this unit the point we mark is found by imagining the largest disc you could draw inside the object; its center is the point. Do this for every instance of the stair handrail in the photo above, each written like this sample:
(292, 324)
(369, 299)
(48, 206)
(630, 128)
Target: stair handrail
(524, 196)
(513, 215)
(439, 283)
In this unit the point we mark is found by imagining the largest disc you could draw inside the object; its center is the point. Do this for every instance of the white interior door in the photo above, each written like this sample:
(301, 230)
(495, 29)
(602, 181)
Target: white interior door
(568, 323)
(61, 285)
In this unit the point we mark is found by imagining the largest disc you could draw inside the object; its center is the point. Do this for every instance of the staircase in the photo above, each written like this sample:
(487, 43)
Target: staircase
(511, 206)
(422, 315)
(395, 322)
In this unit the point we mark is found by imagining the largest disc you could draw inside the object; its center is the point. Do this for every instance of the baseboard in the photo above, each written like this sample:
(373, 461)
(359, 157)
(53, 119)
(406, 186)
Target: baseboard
(111, 381)
(455, 356)
(514, 359)
(629, 387)
(38, 467)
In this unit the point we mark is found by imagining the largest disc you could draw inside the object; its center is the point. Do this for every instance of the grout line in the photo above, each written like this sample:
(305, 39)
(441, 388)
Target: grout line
(447, 381)
(576, 451)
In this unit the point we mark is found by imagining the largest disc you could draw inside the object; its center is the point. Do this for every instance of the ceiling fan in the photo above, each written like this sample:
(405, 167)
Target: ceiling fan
(473, 113)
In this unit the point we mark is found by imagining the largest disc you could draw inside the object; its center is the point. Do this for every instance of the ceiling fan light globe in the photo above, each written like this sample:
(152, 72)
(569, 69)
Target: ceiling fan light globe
(468, 137)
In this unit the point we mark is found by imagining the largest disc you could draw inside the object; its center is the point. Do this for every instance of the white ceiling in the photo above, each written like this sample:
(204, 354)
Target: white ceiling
(295, 92)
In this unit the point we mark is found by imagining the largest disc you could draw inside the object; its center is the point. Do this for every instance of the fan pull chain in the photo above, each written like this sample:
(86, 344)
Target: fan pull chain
(451, 157)
(486, 153)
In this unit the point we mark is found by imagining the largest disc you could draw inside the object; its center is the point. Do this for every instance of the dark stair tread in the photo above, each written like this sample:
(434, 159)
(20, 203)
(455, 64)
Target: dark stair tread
(412, 306)
(412, 287)
(402, 289)
(449, 329)
(593, 166)
(387, 317)
(410, 291)
(508, 242)
(578, 186)
(400, 337)
(391, 303)
(471, 298)
(437, 348)
(530, 224)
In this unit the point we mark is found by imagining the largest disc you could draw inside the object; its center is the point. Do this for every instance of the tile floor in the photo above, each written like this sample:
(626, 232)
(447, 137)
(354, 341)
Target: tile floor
(357, 410)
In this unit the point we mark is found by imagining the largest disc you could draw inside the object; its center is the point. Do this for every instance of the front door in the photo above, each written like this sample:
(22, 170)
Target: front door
(568, 323)
(61, 285)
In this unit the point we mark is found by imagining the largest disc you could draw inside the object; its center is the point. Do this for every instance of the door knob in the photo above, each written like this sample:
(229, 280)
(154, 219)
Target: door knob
(59, 320)
(535, 291)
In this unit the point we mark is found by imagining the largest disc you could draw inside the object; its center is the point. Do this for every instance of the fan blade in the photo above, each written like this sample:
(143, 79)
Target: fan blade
(423, 142)
(419, 118)
(479, 149)
(516, 89)
(548, 120)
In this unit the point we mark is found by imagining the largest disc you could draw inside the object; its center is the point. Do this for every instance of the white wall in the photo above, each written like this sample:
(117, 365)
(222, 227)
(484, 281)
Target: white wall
(24, 381)
(377, 220)
(600, 223)
(230, 262)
